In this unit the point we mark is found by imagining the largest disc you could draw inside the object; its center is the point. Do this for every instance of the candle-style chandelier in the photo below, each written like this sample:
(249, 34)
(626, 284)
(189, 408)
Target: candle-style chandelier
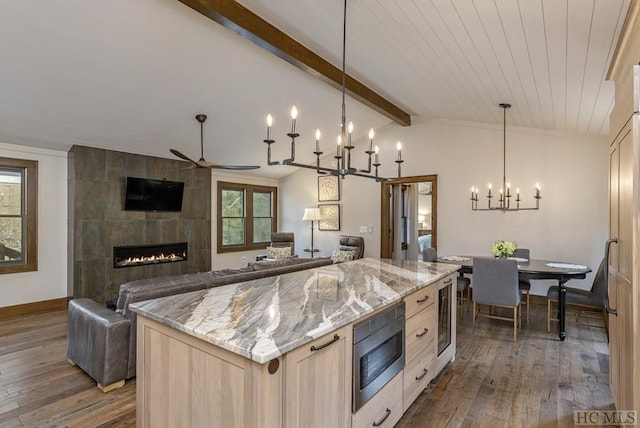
(505, 195)
(344, 146)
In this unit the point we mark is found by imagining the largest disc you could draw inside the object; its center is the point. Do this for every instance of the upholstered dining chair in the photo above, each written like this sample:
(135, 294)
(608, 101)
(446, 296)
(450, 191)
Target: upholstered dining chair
(430, 255)
(590, 300)
(525, 284)
(495, 283)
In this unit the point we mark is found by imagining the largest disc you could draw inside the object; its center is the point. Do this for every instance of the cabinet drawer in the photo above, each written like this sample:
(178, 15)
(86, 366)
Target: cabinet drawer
(419, 300)
(420, 332)
(386, 403)
(417, 375)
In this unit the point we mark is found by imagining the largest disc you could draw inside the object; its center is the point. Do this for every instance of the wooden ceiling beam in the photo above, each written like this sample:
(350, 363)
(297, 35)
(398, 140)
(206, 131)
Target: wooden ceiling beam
(242, 21)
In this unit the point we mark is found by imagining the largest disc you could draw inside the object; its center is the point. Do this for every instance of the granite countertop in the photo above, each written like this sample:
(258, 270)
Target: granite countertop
(265, 318)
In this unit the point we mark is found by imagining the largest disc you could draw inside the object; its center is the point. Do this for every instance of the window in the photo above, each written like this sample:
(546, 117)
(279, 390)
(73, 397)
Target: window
(18, 215)
(246, 216)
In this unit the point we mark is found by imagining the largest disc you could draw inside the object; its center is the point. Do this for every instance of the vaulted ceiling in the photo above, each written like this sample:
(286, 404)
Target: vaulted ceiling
(131, 75)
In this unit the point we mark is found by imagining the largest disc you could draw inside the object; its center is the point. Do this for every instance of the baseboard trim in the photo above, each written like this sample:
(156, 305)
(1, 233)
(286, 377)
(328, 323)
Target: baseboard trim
(34, 308)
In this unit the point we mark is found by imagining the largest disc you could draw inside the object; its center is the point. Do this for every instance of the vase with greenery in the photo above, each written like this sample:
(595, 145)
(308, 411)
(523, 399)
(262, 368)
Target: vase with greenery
(503, 249)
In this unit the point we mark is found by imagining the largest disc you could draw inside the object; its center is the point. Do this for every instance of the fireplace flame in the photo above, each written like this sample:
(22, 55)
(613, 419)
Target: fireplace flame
(156, 258)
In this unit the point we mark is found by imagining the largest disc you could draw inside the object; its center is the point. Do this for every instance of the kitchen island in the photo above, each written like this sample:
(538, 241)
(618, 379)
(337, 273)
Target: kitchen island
(278, 351)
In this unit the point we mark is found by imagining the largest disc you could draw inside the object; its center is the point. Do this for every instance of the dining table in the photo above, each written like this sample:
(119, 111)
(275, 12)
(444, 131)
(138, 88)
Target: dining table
(535, 269)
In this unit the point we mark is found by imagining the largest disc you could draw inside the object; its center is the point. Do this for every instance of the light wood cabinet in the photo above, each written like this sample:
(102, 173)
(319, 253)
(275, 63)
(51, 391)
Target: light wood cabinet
(421, 299)
(183, 381)
(318, 382)
(624, 217)
(384, 409)
(420, 341)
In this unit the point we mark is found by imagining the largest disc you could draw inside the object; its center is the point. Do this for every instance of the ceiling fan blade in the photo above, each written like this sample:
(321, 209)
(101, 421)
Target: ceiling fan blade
(236, 167)
(184, 157)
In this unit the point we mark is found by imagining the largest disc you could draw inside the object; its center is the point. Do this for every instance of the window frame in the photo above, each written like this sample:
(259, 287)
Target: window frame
(248, 218)
(29, 215)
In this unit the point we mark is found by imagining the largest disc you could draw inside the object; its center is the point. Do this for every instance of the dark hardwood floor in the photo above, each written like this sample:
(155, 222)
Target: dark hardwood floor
(537, 381)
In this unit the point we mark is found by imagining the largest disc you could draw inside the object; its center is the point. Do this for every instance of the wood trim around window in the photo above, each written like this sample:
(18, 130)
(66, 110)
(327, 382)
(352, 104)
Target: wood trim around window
(248, 189)
(31, 208)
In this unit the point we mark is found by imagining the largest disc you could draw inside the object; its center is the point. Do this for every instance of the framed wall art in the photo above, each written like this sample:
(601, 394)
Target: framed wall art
(328, 188)
(330, 217)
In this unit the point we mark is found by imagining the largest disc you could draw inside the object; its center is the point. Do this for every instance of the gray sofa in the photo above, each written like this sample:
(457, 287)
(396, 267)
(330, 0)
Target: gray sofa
(102, 342)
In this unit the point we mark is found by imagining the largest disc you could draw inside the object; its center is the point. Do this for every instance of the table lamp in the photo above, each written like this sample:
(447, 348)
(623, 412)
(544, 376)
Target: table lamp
(312, 214)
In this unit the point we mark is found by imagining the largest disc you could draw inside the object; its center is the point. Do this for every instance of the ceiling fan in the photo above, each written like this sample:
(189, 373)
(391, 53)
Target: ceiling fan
(201, 163)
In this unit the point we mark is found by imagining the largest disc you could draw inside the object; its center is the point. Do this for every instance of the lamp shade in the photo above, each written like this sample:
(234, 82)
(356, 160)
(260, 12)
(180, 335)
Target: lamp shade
(312, 214)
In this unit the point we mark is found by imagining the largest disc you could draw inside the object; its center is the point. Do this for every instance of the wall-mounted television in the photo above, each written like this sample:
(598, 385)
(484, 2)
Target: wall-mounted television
(145, 194)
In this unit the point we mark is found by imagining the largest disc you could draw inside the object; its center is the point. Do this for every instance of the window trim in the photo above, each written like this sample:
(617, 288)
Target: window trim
(248, 215)
(30, 216)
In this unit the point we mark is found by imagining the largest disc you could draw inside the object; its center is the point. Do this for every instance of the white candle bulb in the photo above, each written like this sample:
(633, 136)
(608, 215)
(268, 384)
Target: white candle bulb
(317, 140)
(317, 134)
(269, 123)
(508, 185)
(294, 115)
(489, 186)
(350, 127)
(371, 134)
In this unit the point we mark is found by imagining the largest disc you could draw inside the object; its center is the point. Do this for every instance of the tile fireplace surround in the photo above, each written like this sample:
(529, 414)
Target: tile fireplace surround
(98, 223)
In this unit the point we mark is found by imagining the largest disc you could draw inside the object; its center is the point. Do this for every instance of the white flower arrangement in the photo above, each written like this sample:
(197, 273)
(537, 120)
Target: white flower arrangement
(503, 249)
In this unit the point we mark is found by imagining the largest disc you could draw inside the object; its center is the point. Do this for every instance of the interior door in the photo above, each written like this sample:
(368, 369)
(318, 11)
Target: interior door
(415, 222)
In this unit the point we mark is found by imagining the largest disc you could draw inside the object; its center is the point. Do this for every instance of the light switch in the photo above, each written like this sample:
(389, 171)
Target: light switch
(364, 229)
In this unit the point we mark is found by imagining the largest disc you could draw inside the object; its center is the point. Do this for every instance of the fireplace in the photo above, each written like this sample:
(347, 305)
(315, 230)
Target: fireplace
(139, 255)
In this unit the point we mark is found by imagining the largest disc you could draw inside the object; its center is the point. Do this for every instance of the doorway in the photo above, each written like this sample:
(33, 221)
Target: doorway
(408, 220)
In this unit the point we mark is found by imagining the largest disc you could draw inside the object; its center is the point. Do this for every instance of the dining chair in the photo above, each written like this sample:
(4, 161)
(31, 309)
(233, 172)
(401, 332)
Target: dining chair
(525, 284)
(495, 283)
(462, 284)
(589, 300)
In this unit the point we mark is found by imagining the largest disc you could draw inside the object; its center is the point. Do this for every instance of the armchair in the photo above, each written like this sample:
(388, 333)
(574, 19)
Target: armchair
(352, 243)
(280, 240)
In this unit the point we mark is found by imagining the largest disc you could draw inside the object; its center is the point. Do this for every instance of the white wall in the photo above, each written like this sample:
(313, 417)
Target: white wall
(571, 224)
(50, 280)
(235, 259)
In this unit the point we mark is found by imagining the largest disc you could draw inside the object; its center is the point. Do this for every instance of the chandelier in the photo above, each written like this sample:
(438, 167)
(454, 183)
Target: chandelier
(505, 195)
(343, 149)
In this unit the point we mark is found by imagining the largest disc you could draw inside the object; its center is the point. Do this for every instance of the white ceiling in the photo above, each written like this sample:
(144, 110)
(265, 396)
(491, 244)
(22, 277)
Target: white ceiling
(131, 75)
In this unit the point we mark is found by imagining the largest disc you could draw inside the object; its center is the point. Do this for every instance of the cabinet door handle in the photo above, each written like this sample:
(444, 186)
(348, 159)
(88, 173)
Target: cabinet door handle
(608, 308)
(334, 340)
(423, 374)
(424, 299)
(425, 331)
(384, 418)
